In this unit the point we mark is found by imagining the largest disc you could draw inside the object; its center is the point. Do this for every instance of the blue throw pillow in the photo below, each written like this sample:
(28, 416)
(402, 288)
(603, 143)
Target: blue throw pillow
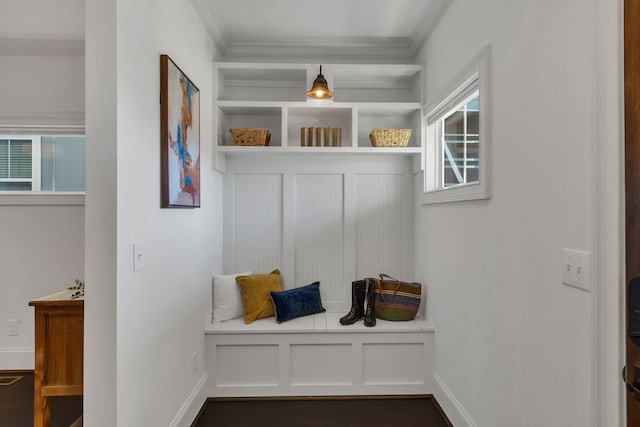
(297, 302)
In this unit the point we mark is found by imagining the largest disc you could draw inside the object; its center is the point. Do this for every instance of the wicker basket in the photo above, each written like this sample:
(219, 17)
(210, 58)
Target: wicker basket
(250, 136)
(390, 137)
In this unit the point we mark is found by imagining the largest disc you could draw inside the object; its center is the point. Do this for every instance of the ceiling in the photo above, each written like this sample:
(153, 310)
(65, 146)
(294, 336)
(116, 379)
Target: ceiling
(254, 28)
(328, 27)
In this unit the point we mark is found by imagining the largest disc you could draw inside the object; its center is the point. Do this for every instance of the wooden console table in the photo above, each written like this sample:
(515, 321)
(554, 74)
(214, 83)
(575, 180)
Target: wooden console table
(59, 340)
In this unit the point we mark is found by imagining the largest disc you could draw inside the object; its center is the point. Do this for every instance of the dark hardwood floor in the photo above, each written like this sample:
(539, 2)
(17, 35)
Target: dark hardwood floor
(16, 410)
(352, 412)
(16, 403)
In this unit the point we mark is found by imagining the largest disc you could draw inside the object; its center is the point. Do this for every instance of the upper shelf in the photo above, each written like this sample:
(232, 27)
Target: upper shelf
(277, 150)
(289, 82)
(380, 107)
(273, 96)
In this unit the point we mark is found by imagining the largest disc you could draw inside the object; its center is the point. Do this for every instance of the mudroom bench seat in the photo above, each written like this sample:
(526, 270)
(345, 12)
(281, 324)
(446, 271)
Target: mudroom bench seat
(317, 356)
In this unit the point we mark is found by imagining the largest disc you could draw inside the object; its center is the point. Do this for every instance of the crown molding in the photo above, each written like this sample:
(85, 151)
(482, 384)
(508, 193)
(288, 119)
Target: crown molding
(33, 47)
(422, 32)
(333, 53)
(209, 17)
(340, 49)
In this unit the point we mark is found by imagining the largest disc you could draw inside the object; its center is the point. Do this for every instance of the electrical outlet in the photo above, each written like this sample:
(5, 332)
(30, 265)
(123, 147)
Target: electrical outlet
(576, 268)
(14, 327)
(196, 362)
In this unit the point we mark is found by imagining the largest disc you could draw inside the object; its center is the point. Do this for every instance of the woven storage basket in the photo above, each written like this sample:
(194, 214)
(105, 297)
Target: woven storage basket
(250, 136)
(390, 137)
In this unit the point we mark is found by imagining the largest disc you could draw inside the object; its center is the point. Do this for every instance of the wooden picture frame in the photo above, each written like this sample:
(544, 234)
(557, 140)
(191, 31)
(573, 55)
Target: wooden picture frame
(179, 138)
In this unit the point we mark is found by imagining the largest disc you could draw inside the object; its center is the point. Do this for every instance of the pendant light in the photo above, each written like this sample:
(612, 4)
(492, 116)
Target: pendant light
(320, 88)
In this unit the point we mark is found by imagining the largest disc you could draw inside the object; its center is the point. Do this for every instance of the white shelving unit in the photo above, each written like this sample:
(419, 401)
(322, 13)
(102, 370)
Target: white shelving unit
(273, 96)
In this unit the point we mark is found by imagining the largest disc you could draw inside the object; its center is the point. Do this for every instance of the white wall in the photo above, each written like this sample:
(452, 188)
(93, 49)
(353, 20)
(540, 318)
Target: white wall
(41, 252)
(42, 246)
(153, 319)
(41, 90)
(513, 345)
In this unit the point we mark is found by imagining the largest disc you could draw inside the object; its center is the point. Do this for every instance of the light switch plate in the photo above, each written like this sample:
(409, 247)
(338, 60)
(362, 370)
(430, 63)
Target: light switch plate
(14, 327)
(138, 256)
(576, 268)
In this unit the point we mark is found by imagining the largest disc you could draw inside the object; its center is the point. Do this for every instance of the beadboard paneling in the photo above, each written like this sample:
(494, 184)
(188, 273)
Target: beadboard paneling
(333, 220)
(319, 235)
(257, 222)
(383, 243)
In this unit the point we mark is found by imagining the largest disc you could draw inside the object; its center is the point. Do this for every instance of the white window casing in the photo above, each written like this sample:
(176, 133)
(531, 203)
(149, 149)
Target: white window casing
(37, 196)
(474, 78)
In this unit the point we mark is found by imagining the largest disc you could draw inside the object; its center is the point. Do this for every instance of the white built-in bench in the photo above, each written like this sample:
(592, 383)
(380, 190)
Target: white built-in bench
(317, 356)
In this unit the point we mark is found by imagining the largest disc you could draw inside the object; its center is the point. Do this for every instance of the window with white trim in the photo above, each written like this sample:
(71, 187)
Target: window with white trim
(459, 139)
(34, 163)
(18, 171)
(456, 149)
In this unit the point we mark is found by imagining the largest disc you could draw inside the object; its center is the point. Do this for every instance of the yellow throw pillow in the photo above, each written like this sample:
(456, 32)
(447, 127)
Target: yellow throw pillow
(255, 292)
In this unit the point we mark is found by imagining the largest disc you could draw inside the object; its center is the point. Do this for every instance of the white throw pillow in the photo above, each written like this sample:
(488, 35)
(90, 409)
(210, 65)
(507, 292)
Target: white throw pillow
(227, 302)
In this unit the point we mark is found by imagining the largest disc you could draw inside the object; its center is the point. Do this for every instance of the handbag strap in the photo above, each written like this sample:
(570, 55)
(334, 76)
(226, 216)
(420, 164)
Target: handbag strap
(380, 291)
(382, 276)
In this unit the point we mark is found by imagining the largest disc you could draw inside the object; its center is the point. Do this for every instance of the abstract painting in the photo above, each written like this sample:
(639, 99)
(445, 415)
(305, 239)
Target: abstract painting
(179, 138)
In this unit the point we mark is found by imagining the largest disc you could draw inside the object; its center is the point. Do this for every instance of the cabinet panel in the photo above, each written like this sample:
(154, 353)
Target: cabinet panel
(68, 323)
(321, 364)
(381, 364)
(241, 368)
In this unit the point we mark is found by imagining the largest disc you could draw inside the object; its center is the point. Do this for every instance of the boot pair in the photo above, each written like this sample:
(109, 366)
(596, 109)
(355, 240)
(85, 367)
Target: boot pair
(361, 290)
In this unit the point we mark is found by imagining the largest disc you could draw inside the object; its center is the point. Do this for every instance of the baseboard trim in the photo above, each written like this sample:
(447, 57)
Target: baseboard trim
(452, 408)
(327, 397)
(17, 359)
(191, 408)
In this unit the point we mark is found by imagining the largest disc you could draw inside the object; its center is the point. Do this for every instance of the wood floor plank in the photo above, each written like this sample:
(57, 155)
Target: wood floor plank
(16, 404)
(16, 410)
(352, 412)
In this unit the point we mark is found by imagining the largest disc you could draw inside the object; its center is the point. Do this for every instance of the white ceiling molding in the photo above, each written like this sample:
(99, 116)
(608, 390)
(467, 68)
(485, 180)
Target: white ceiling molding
(28, 47)
(422, 32)
(209, 16)
(359, 31)
(63, 121)
(369, 53)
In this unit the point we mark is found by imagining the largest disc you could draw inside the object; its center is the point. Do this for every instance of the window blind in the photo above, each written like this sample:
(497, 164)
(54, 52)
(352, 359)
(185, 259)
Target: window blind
(20, 156)
(16, 159)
